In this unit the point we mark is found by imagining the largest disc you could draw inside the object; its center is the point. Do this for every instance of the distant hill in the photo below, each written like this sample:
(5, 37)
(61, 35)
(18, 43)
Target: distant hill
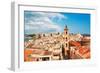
(81, 34)
(29, 35)
(86, 34)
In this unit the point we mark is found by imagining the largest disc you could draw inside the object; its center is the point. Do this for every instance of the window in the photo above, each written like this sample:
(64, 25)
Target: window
(66, 45)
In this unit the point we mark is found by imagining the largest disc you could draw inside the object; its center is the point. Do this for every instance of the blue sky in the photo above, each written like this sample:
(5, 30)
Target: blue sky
(46, 22)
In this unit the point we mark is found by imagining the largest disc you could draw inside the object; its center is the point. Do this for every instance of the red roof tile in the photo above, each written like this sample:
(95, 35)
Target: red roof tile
(84, 52)
(75, 43)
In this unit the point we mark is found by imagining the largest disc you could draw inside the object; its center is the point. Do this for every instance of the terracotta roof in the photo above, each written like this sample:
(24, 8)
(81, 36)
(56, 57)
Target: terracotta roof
(75, 43)
(84, 52)
(37, 51)
(29, 52)
(87, 55)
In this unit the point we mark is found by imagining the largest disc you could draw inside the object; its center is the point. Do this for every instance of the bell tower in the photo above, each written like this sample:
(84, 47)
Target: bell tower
(66, 43)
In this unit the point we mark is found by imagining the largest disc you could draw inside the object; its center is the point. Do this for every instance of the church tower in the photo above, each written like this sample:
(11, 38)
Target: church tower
(66, 43)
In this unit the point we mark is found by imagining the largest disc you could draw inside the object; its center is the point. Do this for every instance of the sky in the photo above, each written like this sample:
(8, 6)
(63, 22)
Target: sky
(49, 22)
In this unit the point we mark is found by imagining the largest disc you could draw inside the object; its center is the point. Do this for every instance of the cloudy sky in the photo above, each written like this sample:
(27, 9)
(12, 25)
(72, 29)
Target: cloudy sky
(45, 22)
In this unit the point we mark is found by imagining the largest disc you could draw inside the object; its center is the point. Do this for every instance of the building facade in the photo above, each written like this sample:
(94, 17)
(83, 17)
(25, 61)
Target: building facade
(66, 44)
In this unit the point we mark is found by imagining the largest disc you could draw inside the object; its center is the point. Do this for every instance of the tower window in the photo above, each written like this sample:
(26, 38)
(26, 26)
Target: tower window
(66, 38)
(66, 32)
(66, 45)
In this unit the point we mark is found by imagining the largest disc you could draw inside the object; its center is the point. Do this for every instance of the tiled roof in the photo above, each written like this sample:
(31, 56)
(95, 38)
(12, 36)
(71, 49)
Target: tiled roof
(75, 43)
(29, 52)
(84, 52)
(37, 51)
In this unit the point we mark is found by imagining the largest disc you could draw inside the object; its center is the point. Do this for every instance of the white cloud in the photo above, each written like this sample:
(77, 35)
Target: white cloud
(37, 22)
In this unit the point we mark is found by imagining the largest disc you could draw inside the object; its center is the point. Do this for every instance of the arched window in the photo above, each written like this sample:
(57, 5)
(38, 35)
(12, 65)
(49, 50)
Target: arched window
(66, 45)
(66, 32)
(66, 38)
